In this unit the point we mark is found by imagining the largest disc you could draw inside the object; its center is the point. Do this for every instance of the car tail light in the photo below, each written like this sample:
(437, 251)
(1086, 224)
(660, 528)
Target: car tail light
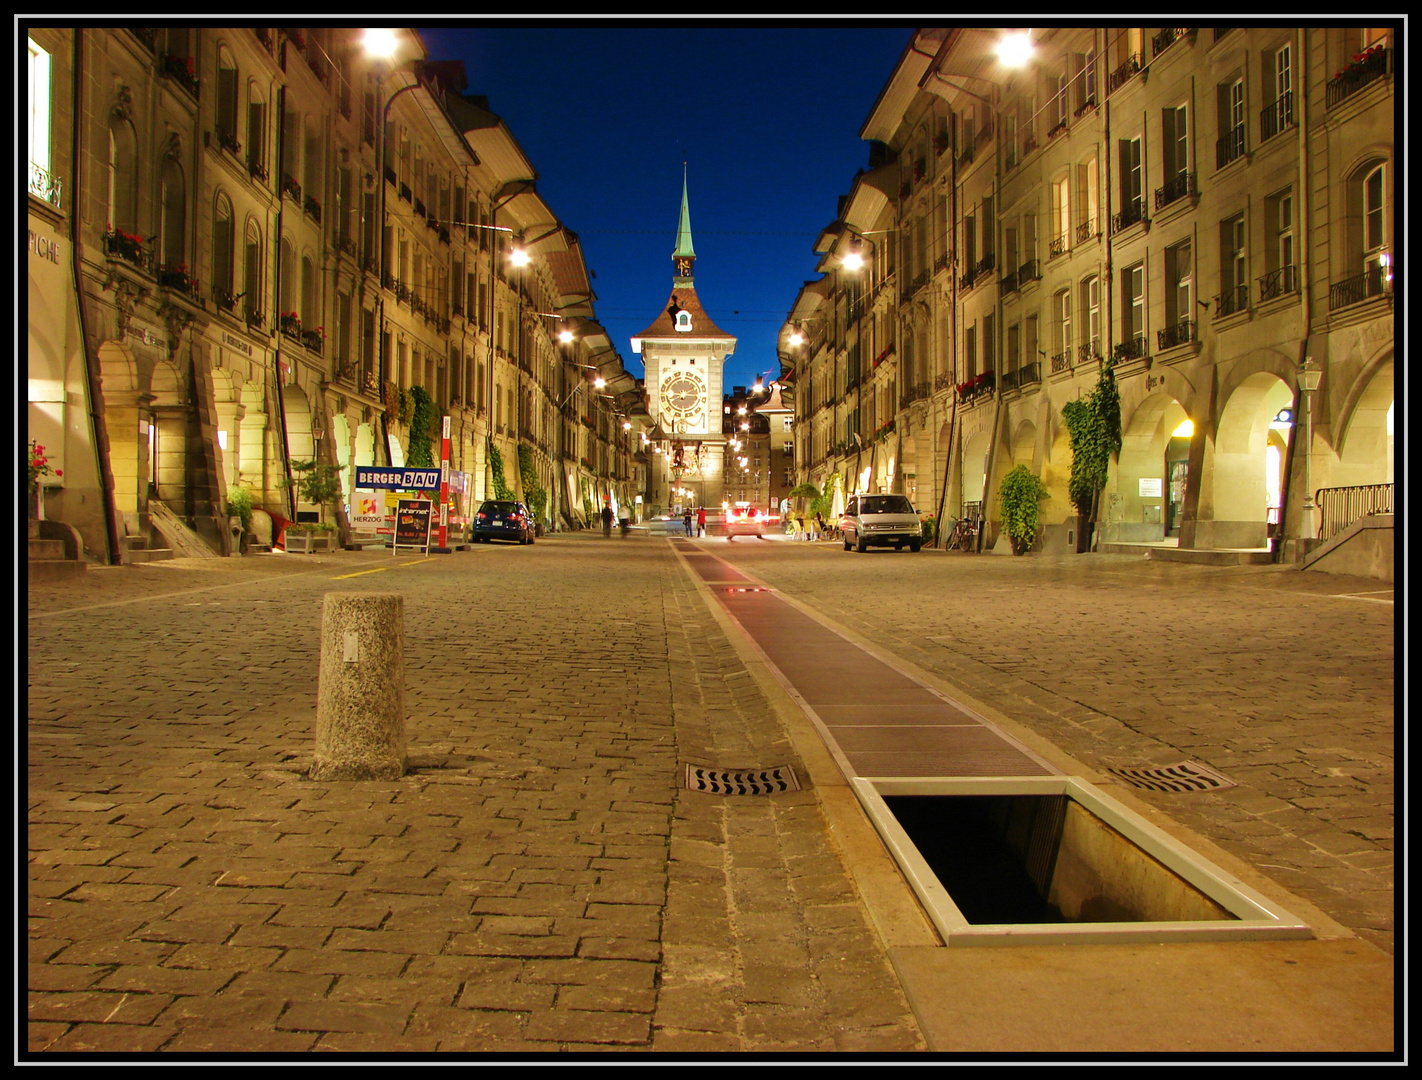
(480, 515)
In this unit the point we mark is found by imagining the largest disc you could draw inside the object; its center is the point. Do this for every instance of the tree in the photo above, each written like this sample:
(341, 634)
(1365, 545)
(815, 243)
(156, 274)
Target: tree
(1020, 496)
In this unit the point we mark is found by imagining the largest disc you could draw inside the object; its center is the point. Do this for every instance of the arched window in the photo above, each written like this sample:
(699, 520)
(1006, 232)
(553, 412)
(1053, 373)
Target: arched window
(286, 270)
(252, 273)
(227, 105)
(1375, 224)
(310, 303)
(172, 229)
(222, 254)
(122, 175)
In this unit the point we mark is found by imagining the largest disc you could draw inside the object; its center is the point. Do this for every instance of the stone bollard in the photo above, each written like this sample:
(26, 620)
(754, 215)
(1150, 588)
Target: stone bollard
(360, 695)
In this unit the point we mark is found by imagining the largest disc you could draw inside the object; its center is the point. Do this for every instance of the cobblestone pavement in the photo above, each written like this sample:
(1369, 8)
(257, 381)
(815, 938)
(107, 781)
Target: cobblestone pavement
(540, 880)
(1279, 679)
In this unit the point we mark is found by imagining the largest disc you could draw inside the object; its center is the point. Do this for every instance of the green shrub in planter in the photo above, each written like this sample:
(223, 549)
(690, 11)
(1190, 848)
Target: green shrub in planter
(239, 505)
(1020, 497)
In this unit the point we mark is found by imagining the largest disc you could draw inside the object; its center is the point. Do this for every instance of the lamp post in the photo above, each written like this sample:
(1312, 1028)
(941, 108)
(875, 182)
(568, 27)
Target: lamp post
(1309, 378)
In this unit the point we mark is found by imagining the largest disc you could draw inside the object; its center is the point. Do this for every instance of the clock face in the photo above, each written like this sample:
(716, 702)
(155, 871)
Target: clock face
(683, 395)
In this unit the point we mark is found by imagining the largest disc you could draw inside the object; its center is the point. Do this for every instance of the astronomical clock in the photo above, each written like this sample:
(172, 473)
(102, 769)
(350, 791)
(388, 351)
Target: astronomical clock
(683, 401)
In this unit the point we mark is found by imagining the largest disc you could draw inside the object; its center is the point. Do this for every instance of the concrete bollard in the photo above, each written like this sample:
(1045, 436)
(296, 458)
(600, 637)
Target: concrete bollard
(360, 695)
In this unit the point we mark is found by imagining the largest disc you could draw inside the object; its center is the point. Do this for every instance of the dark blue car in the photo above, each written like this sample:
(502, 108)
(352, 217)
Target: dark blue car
(501, 519)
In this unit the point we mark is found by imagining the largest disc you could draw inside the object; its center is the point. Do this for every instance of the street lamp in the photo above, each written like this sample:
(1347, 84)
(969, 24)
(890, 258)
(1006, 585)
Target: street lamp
(1309, 378)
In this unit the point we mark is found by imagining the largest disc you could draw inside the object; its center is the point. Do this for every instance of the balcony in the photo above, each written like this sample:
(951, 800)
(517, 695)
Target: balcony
(977, 387)
(1133, 213)
(1134, 349)
(1057, 246)
(916, 392)
(1061, 362)
(1276, 117)
(1182, 333)
(1167, 37)
(313, 340)
(45, 185)
(289, 186)
(178, 279)
(1232, 301)
(1230, 147)
(290, 325)
(1009, 283)
(312, 208)
(223, 298)
(1122, 74)
(1088, 352)
(1029, 374)
(180, 70)
(1009, 380)
(1175, 188)
(1086, 231)
(1031, 270)
(1375, 281)
(1366, 67)
(1281, 282)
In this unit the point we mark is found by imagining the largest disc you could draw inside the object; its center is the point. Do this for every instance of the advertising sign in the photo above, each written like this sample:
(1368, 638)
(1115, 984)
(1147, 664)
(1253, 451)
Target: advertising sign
(394, 478)
(412, 524)
(368, 513)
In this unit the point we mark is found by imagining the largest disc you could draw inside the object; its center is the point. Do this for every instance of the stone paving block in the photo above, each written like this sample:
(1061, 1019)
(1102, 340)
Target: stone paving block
(513, 945)
(323, 1016)
(329, 961)
(217, 1038)
(111, 1039)
(60, 977)
(577, 1026)
(97, 1007)
(501, 995)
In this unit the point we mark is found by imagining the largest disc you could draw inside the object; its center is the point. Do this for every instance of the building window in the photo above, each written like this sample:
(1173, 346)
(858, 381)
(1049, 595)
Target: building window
(42, 183)
(122, 177)
(1061, 216)
(1234, 289)
(222, 245)
(970, 352)
(1061, 330)
(1179, 295)
(1132, 206)
(252, 273)
(1230, 146)
(1279, 84)
(227, 101)
(173, 224)
(1088, 205)
(1132, 312)
(1091, 318)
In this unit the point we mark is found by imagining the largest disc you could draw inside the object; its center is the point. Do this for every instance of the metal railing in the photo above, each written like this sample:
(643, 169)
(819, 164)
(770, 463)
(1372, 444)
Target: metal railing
(1133, 212)
(1355, 290)
(1229, 147)
(1374, 64)
(1178, 334)
(1177, 187)
(1276, 117)
(1278, 283)
(1341, 506)
(1232, 300)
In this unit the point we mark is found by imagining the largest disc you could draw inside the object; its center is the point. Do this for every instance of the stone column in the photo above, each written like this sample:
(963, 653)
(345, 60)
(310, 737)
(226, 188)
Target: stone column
(360, 698)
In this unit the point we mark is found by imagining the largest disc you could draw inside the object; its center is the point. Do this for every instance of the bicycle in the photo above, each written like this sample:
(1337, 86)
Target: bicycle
(964, 535)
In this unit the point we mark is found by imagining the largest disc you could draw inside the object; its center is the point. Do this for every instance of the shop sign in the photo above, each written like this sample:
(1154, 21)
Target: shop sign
(372, 477)
(237, 343)
(368, 514)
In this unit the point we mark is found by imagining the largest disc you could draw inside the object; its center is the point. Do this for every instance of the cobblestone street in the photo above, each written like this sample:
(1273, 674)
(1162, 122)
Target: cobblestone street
(541, 879)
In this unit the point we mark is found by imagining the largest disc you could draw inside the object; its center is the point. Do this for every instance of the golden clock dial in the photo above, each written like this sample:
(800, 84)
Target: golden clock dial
(682, 394)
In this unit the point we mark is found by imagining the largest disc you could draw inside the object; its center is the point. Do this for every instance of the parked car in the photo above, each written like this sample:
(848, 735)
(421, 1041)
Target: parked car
(881, 520)
(503, 519)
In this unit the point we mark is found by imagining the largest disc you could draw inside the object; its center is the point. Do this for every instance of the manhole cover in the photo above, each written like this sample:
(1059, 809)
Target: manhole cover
(1184, 776)
(742, 781)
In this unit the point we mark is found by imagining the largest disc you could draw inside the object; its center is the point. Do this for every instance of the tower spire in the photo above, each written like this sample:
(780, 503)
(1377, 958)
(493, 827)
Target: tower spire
(684, 255)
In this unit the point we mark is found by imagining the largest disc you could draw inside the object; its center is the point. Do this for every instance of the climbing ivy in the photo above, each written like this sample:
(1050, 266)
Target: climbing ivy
(1094, 427)
(496, 467)
(825, 503)
(534, 493)
(420, 454)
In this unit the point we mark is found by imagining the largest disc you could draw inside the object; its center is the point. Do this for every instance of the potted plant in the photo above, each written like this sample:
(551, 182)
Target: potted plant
(319, 484)
(1020, 496)
(239, 509)
(39, 469)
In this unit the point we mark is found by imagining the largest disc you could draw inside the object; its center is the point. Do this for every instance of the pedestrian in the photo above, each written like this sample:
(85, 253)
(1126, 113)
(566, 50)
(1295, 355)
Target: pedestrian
(701, 521)
(800, 533)
(686, 520)
(607, 518)
(819, 525)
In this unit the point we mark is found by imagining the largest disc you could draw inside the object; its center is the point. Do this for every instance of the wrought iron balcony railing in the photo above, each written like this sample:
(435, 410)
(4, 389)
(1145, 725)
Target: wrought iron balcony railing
(1279, 283)
(1123, 73)
(1230, 147)
(1366, 67)
(1231, 301)
(1276, 117)
(1181, 333)
(1133, 212)
(45, 185)
(1177, 187)
(1375, 281)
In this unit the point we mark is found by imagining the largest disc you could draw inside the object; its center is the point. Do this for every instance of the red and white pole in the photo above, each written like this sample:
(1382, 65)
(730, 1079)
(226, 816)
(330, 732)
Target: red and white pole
(444, 487)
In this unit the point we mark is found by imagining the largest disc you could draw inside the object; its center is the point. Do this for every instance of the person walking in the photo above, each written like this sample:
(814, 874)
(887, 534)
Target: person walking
(686, 520)
(607, 518)
(701, 521)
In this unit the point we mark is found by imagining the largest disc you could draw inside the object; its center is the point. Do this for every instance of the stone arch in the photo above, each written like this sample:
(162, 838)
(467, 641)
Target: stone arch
(1365, 437)
(251, 446)
(1024, 444)
(167, 455)
(227, 410)
(1241, 484)
(1056, 476)
(1148, 475)
(974, 465)
(126, 418)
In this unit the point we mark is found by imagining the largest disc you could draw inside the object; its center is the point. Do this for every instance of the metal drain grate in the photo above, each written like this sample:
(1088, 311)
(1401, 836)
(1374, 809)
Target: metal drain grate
(1183, 776)
(742, 781)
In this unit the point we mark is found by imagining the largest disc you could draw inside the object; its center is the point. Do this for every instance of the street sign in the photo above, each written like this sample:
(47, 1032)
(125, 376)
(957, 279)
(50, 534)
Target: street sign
(396, 479)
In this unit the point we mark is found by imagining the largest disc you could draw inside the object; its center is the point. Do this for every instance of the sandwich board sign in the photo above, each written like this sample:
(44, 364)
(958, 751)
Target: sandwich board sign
(412, 525)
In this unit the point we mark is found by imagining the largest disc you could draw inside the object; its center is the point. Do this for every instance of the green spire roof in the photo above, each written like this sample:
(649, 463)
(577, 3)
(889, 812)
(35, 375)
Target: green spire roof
(683, 229)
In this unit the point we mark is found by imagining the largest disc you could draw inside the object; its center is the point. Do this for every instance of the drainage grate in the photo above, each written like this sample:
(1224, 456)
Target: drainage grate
(745, 589)
(742, 781)
(1183, 776)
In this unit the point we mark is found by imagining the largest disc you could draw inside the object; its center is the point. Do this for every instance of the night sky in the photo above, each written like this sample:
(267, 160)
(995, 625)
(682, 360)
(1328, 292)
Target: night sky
(766, 118)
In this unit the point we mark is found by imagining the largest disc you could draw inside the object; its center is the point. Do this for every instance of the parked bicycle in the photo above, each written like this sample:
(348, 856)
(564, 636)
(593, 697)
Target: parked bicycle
(963, 536)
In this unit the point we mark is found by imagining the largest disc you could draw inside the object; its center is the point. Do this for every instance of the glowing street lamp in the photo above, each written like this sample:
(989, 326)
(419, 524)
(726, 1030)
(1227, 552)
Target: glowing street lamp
(1015, 49)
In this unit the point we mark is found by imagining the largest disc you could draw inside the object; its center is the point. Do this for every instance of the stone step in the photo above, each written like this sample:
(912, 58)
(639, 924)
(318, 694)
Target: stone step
(1212, 556)
(45, 549)
(54, 569)
(140, 555)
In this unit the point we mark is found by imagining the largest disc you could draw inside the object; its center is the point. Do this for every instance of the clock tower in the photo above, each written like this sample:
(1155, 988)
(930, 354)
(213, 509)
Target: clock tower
(683, 353)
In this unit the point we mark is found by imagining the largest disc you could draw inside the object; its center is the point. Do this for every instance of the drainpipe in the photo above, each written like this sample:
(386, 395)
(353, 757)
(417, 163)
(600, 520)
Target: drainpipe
(997, 329)
(97, 424)
(276, 305)
(1303, 267)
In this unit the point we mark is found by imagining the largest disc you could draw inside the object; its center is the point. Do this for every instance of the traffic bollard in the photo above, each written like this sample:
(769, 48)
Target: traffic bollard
(360, 695)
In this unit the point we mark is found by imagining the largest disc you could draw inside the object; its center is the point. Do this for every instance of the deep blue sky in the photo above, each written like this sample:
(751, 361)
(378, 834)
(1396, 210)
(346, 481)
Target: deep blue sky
(766, 118)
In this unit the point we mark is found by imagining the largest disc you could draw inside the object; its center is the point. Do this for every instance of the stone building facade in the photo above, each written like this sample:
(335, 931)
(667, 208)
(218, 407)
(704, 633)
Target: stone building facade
(284, 247)
(1206, 209)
